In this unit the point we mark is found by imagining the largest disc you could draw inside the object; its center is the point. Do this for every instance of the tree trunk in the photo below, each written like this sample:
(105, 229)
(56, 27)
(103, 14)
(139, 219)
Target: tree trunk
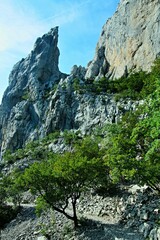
(75, 219)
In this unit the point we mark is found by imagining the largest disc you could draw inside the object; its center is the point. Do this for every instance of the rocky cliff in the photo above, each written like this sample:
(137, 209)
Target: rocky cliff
(40, 99)
(129, 40)
(23, 104)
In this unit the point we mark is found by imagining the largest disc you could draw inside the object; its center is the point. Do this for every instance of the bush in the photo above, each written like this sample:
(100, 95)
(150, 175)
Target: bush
(70, 137)
(7, 213)
(133, 149)
(9, 157)
(50, 137)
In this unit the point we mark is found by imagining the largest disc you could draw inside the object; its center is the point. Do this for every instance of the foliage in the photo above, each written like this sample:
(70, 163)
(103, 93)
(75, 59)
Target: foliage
(76, 84)
(41, 206)
(100, 86)
(26, 95)
(63, 178)
(137, 85)
(13, 187)
(133, 151)
(8, 157)
(130, 86)
(7, 213)
(120, 153)
(33, 150)
(3, 193)
(50, 137)
(88, 147)
(70, 137)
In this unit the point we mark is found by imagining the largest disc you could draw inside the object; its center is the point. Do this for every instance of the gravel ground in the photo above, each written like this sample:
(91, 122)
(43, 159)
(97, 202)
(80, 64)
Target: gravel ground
(55, 227)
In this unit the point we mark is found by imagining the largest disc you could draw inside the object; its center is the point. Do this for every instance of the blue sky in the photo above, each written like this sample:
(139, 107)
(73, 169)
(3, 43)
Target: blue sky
(23, 21)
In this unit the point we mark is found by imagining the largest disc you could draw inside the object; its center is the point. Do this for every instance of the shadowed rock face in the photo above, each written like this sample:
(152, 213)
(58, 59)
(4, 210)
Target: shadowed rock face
(129, 40)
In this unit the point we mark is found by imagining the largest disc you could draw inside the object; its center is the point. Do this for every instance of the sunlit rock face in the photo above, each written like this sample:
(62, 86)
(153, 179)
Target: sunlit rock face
(129, 40)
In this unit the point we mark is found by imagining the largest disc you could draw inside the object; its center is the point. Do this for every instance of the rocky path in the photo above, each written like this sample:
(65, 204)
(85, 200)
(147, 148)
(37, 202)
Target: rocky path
(130, 214)
(27, 227)
(106, 228)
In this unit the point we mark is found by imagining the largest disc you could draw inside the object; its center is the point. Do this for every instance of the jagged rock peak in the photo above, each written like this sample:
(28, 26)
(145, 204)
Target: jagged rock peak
(48, 40)
(23, 104)
(129, 40)
(39, 68)
(52, 34)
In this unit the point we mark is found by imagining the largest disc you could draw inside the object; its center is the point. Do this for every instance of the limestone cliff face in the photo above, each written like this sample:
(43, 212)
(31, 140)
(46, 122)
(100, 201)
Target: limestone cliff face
(129, 40)
(40, 99)
(23, 105)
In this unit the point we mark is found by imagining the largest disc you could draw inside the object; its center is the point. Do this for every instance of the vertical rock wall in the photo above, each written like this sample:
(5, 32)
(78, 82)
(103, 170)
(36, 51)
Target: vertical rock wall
(129, 40)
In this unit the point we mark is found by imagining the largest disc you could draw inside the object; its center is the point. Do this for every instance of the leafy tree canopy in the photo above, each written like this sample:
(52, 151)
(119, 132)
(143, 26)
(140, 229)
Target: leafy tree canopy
(63, 178)
(133, 150)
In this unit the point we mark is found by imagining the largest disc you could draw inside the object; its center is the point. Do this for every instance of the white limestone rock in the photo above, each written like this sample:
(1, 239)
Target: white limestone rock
(129, 40)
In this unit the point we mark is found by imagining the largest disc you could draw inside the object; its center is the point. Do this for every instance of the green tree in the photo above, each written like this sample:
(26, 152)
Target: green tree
(133, 150)
(146, 138)
(14, 187)
(88, 147)
(63, 179)
(120, 153)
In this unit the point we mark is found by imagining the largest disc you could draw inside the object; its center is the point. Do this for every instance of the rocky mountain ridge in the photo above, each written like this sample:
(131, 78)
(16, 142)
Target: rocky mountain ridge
(40, 99)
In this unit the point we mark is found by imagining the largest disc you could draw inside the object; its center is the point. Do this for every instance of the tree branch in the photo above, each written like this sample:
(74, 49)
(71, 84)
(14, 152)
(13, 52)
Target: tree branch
(60, 210)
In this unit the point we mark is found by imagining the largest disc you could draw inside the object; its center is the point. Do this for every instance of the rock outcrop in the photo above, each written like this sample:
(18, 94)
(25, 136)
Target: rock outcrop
(23, 105)
(40, 99)
(129, 40)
